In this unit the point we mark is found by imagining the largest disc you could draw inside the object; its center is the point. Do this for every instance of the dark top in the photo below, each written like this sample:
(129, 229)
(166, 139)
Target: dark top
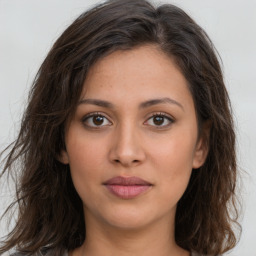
(66, 254)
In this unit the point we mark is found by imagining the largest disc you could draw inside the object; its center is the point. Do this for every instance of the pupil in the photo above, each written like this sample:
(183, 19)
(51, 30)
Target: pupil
(97, 120)
(158, 120)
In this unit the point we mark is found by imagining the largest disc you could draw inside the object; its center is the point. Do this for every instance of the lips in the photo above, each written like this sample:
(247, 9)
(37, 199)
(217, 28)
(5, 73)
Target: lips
(127, 187)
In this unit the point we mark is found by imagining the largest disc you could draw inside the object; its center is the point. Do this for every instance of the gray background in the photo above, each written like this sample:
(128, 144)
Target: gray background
(28, 28)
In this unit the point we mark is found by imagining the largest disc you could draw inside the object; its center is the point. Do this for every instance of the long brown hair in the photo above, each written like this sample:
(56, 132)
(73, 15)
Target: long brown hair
(50, 211)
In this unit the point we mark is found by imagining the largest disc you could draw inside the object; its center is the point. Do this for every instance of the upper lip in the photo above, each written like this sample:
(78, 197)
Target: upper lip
(127, 181)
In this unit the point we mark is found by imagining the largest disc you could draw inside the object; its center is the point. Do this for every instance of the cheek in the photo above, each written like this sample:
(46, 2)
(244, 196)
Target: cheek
(86, 160)
(175, 151)
(83, 149)
(174, 161)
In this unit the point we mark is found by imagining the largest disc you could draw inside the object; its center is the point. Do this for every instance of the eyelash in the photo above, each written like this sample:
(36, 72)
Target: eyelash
(96, 114)
(165, 116)
(91, 115)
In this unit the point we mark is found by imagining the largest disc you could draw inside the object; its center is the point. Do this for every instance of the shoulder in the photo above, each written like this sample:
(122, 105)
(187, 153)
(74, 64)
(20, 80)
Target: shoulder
(42, 253)
(23, 254)
(197, 254)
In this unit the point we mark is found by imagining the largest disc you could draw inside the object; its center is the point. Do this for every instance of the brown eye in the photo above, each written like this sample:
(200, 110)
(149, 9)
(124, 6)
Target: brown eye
(95, 121)
(98, 120)
(159, 120)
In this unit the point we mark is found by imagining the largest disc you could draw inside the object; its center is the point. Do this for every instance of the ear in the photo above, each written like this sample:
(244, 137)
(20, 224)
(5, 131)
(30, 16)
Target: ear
(63, 157)
(202, 147)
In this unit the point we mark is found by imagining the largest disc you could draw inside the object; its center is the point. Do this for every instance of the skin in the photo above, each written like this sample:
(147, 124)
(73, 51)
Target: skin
(128, 143)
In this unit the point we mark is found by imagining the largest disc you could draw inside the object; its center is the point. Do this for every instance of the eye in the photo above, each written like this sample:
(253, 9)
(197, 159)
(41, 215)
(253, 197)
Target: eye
(160, 120)
(95, 120)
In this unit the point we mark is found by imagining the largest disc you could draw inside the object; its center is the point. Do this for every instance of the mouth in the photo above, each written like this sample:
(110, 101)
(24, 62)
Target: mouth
(127, 187)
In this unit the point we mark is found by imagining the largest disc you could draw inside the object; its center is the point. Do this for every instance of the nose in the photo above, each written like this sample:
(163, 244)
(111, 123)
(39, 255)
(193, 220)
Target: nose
(127, 147)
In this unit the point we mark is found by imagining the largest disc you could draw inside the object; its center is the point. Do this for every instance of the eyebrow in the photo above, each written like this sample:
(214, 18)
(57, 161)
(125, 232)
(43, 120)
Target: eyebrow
(101, 103)
(146, 104)
(153, 102)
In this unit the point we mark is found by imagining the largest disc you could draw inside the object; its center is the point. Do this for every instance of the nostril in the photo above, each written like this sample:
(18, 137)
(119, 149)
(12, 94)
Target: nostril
(124, 162)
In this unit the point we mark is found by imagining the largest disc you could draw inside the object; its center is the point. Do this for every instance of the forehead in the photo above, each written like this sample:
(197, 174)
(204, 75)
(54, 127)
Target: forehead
(143, 58)
(140, 73)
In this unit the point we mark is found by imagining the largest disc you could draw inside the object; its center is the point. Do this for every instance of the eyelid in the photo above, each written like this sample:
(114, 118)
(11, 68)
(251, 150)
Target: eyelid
(152, 115)
(92, 114)
(162, 114)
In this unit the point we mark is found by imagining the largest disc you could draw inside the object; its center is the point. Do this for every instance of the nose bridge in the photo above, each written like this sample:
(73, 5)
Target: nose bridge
(126, 147)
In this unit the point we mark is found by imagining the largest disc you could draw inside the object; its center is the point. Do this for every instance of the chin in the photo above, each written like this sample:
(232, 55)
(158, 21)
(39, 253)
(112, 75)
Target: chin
(129, 219)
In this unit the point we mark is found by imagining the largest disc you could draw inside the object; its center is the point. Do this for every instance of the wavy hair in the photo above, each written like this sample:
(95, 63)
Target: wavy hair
(50, 212)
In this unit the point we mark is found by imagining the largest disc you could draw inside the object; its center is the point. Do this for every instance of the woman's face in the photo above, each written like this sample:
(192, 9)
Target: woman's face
(133, 140)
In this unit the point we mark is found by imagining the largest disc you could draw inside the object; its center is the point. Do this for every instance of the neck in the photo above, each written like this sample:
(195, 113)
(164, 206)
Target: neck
(156, 239)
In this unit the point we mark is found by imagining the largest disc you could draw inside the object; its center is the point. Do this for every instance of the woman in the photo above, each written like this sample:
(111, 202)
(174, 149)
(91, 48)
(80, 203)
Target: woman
(127, 145)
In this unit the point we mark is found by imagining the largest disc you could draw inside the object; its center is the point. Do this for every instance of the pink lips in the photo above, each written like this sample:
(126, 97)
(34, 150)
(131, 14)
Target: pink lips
(127, 187)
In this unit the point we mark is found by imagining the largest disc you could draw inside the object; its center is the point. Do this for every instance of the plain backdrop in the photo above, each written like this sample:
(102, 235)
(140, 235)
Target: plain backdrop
(28, 28)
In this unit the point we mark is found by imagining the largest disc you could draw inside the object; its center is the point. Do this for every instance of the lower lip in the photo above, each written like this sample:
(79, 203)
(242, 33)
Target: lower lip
(128, 192)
